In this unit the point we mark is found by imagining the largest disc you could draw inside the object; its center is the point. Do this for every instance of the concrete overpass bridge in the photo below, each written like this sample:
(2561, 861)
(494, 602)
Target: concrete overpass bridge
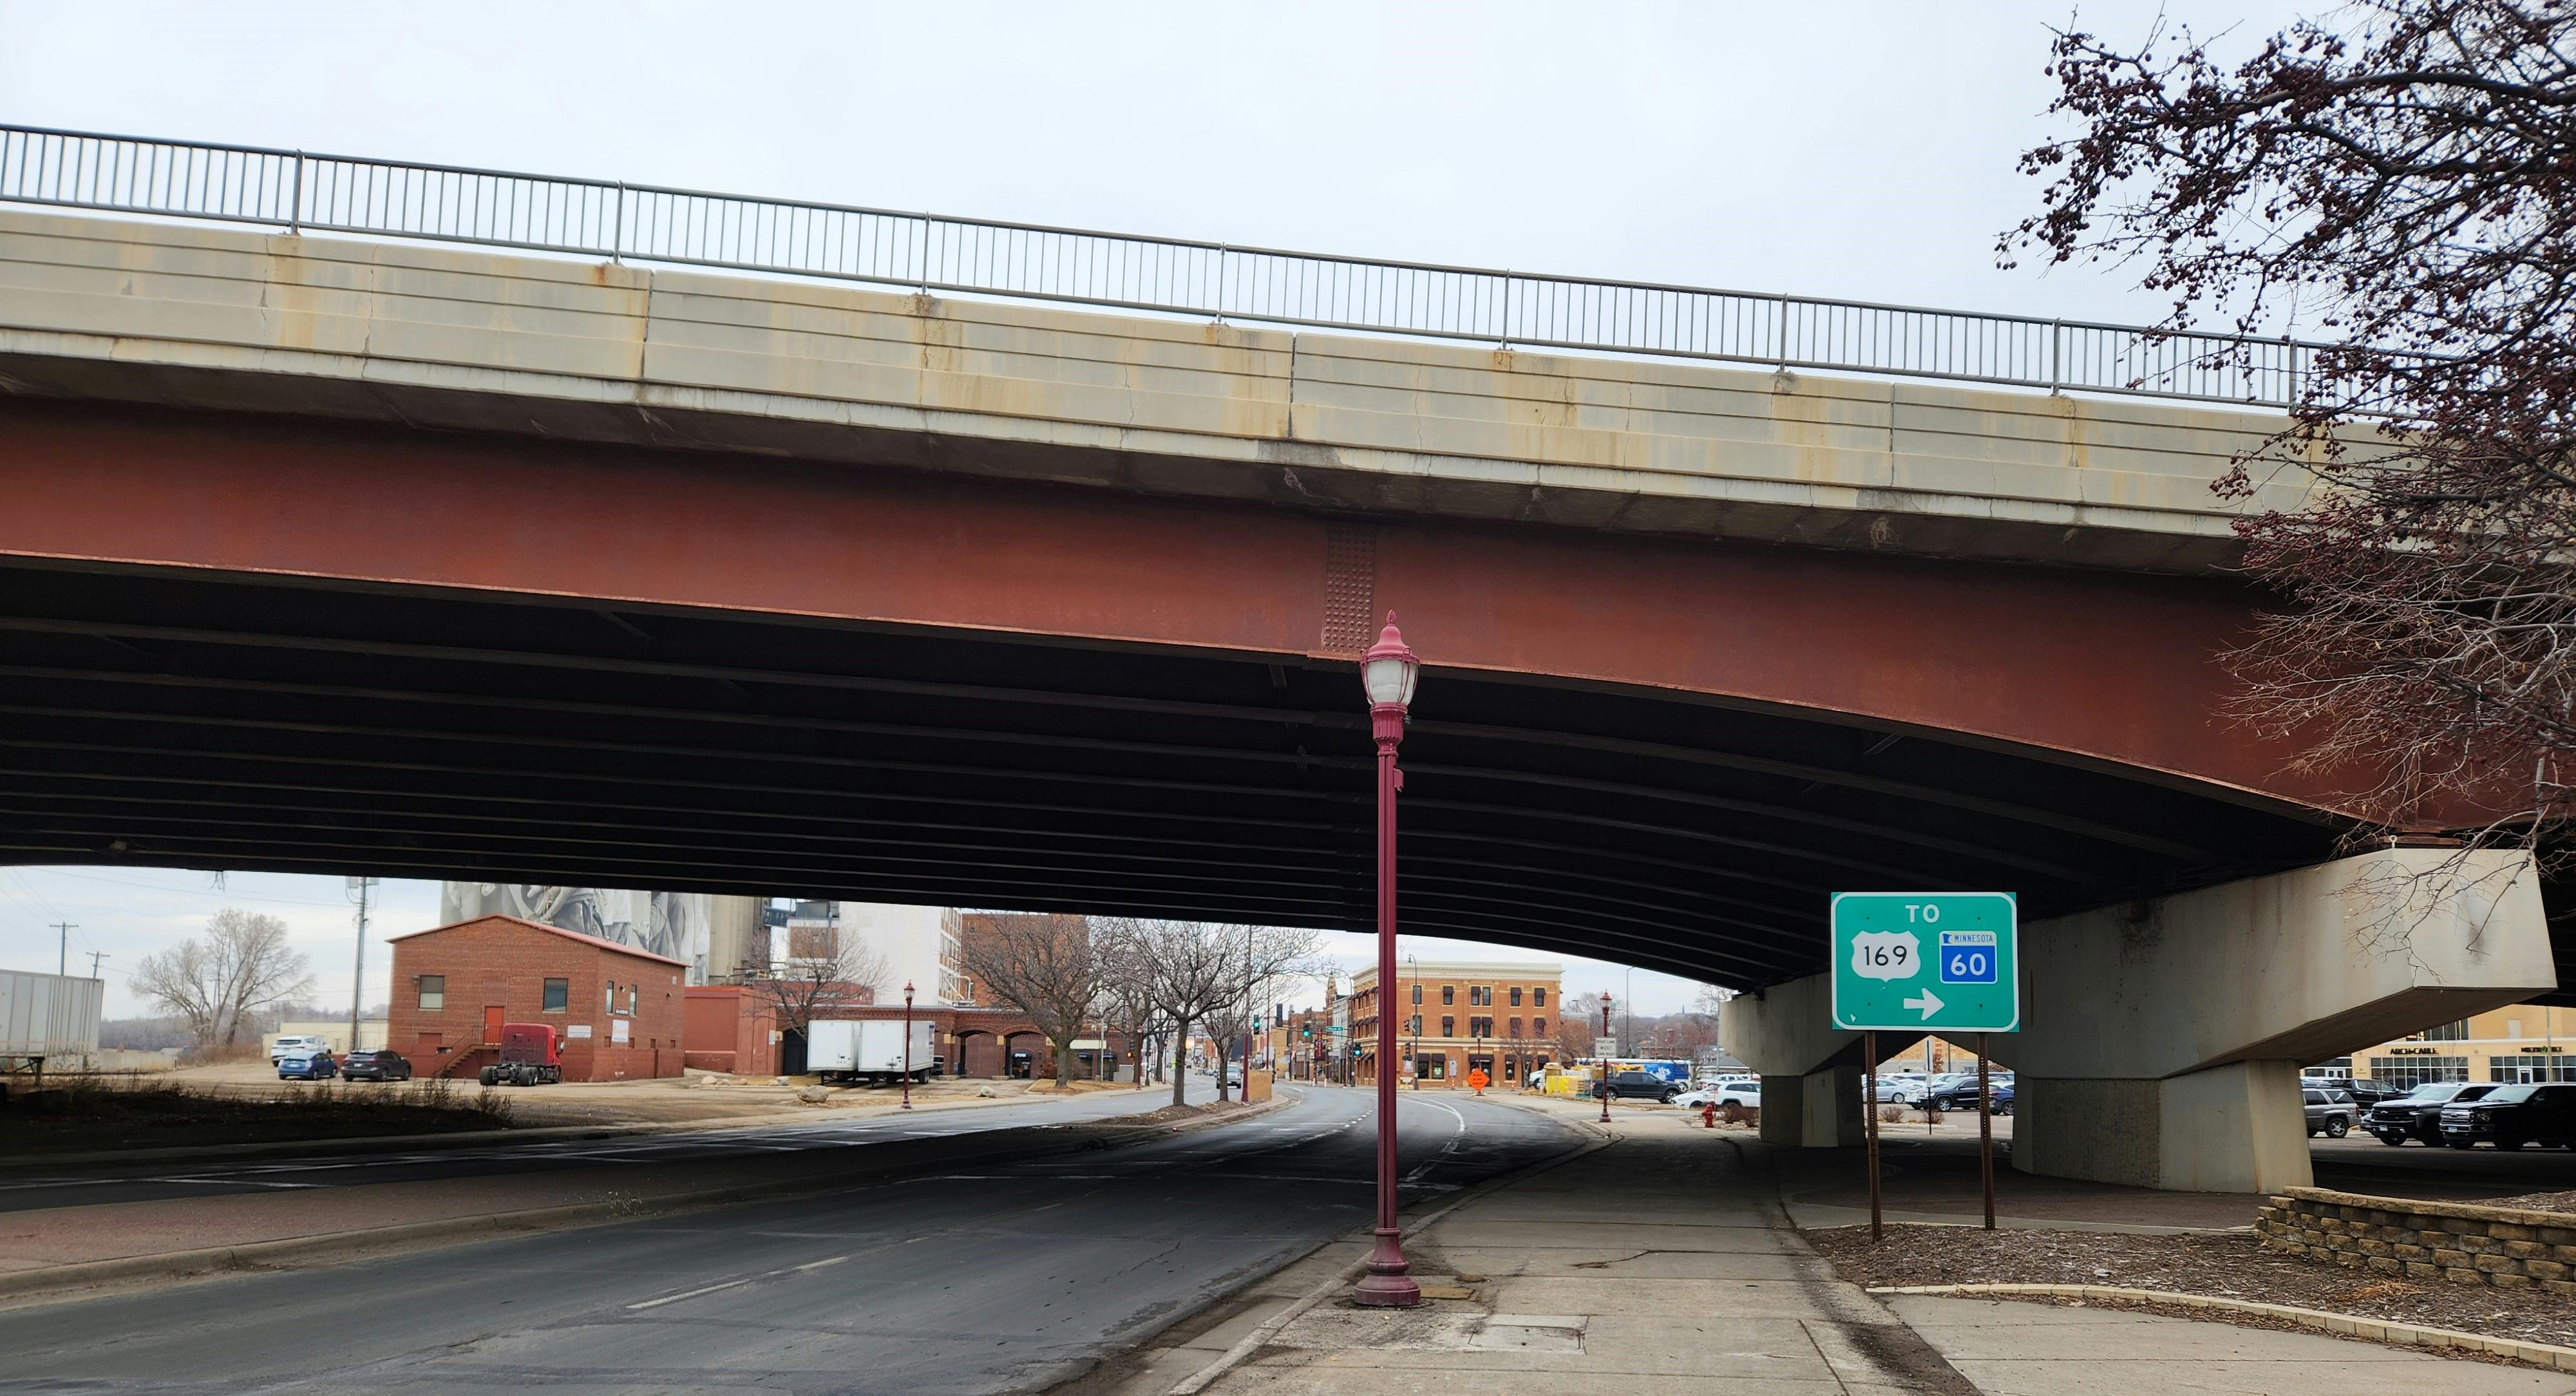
(330, 555)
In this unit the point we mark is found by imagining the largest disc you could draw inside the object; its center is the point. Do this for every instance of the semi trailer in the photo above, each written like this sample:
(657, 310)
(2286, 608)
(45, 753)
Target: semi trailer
(866, 1049)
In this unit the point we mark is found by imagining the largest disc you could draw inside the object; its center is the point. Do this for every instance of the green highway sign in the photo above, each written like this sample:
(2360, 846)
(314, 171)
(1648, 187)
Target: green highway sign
(1942, 962)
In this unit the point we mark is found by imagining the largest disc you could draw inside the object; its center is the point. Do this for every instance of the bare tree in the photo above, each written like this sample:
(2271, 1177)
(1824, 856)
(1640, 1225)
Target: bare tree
(1574, 1031)
(1049, 967)
(1127, 1001)
(2395, 176)
(825, 969)
(1203, 974)
(218, 983)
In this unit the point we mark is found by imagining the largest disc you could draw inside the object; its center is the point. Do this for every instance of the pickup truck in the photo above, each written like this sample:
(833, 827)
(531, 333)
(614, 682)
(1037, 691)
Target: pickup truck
(1641, 1085)
(2330, 1113)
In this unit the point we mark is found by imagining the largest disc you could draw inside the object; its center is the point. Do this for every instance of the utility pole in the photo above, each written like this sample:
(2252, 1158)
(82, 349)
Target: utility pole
(94, 957)
(63, 947)
(358, 986)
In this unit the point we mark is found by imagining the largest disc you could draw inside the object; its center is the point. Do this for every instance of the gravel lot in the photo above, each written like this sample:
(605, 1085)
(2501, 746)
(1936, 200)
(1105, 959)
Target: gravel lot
(2229, 1265)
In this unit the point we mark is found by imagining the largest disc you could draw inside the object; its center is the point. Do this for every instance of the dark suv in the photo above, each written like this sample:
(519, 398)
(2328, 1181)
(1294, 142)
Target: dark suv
(2418, 1113)
(2512, 1116)
(1644, 1085)
(375, 1066)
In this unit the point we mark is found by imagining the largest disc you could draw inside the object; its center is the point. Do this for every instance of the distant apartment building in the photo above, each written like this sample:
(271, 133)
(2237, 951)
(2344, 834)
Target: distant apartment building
(916, 945)
(2523, 1042)
(1452, 1018)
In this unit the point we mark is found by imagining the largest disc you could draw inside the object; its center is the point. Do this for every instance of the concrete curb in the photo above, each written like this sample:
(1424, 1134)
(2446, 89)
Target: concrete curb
(2343, 1325)
(343, 1244)
(1253, 1341)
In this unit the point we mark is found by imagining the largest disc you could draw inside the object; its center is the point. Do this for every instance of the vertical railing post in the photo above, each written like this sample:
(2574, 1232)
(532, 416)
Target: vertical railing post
(295, 198)
(1221, 266)
(2056, 337)
(921, 258)
(1782, 356)
(617, 227)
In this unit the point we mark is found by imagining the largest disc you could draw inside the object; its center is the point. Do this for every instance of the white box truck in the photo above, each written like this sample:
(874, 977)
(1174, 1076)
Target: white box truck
(866, 1049)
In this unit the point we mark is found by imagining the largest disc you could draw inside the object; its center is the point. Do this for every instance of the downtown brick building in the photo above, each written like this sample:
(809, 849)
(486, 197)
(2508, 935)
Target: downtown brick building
(619, 1012)
(1455, 1017)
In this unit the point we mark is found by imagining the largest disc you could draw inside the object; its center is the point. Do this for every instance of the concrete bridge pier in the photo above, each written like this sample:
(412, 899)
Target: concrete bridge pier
(2161, 1041)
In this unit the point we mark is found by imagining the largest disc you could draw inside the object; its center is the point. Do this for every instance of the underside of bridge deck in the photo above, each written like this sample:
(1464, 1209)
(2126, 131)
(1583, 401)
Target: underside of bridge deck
(164, 716)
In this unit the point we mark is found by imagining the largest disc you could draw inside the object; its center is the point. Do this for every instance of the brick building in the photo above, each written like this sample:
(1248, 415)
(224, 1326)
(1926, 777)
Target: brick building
(730, 1028)
(1454, 1017)
(618, 1010)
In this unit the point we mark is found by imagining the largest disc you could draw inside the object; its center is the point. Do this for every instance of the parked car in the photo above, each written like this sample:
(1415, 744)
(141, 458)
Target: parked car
(375, 1066)
(308, 1066)
(1961, 1096)
(2512, 1116)
(2330, 1113)
(295, 1044)
(1902, 1090)
(1643, 1085)
(1722, 1093)
(2418, 1113)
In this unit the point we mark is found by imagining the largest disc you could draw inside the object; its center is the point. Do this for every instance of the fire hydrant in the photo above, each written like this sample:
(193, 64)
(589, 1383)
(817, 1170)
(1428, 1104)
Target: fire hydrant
(1708, 1113)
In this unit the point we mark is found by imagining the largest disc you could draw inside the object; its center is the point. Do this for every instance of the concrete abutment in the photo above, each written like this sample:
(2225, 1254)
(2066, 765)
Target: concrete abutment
(2161, 1041)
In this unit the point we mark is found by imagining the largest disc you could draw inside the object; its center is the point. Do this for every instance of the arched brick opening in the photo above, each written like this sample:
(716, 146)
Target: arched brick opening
(976, 1057)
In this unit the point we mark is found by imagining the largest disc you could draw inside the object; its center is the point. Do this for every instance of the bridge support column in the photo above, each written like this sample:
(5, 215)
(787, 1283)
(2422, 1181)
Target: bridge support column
(2233, 1128)
(1811, 1090)
(2161, 1040)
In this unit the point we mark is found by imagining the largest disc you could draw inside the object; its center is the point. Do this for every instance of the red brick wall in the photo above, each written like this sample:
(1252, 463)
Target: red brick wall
(728, 1029)
(500, 961)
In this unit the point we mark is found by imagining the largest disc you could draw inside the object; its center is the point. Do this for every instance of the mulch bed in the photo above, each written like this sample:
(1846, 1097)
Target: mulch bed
(2227, 1265)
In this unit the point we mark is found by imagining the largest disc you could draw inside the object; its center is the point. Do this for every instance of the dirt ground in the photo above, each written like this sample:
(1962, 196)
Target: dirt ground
(244, 1103)
(2229, 1265)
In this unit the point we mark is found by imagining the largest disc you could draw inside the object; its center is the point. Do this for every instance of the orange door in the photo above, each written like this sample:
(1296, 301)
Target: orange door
(492, 1022)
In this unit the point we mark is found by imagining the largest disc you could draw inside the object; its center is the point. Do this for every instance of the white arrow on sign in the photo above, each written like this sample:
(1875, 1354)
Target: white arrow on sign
(1929, 1003)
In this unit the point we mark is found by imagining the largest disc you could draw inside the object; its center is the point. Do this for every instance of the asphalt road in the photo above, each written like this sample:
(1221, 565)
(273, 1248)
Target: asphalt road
(1007, 1279)
(35, 1184)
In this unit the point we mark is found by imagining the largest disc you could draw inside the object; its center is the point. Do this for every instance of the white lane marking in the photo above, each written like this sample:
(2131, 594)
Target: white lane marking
(1456, 1137)
(691, 1293)
(736, 1284)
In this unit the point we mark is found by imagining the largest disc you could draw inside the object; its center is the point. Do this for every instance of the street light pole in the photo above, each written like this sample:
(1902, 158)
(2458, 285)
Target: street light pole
(1388, 672)
(1604, 1056)
(907, 1044)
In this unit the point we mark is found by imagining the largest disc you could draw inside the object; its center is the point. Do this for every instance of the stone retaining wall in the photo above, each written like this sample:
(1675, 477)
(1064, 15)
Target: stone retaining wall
(2507, 1247)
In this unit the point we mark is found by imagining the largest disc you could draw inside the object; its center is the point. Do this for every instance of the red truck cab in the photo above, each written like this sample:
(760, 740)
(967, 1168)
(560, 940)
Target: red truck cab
(530, 1056)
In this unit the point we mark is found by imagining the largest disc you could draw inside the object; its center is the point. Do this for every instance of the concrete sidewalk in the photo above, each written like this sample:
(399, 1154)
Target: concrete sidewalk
(1665, 1262)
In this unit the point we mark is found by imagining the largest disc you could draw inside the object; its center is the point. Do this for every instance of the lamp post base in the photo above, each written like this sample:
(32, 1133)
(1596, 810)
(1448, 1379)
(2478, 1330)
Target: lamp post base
(1386, 1285)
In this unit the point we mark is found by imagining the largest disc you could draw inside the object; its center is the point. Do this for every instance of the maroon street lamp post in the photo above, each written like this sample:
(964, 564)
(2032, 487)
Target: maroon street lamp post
(907, 1044)
(1388, 671)
(1605, 1057)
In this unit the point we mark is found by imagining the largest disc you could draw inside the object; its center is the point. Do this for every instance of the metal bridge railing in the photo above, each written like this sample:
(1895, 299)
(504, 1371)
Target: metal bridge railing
(302, 191)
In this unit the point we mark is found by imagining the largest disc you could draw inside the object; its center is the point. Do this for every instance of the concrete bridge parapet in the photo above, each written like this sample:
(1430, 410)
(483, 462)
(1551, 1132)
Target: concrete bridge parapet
(2162, 1040)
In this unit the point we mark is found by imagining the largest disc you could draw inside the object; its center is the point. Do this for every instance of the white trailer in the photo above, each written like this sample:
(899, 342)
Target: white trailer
(866, 1049)
(48, 1017)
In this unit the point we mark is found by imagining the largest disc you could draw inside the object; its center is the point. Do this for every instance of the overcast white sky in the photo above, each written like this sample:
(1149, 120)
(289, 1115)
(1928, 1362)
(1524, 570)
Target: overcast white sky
(1861, 150)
